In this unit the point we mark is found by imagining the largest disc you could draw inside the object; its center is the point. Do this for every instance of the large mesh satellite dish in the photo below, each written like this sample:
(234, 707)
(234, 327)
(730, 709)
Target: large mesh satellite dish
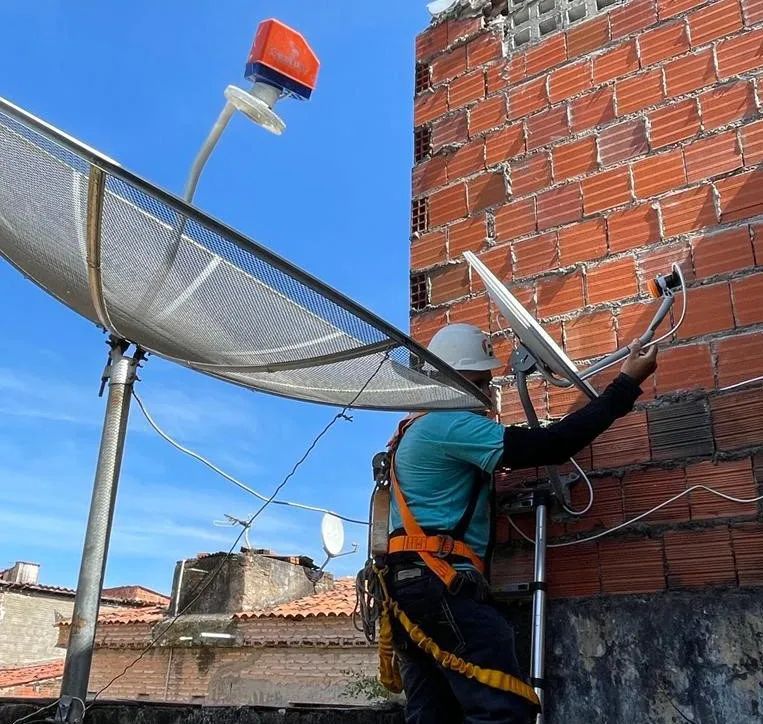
(156, 271)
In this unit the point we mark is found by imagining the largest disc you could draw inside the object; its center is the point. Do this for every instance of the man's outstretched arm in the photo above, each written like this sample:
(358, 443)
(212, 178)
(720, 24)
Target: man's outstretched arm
(529, 447)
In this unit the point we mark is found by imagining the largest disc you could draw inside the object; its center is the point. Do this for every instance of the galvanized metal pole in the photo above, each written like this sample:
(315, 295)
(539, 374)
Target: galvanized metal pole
(121, 374)
(538, 642)
(524, 363)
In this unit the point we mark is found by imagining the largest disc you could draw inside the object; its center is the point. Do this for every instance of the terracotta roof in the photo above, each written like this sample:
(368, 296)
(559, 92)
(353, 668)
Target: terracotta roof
(137, 593)
(38, 587)
(16, 675)
(337, 601)
(61, 591)
(143, 614)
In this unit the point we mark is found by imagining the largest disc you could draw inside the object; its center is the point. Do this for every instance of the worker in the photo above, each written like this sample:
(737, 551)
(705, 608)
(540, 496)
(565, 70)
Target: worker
(443, 464)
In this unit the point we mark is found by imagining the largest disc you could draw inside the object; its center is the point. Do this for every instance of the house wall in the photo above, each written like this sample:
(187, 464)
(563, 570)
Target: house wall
(270, 662)
(579, 149)
(245, 582)
(28, 633)
(37, 689)
(272, 675)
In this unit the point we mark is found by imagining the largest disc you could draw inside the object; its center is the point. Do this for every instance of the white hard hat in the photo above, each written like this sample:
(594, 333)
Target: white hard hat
(464, 347)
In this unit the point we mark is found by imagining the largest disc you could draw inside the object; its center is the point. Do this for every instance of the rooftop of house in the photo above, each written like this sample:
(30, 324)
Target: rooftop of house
(28, 674)
(137, 593)
(24, 576)
(337, 601)
(115, 599)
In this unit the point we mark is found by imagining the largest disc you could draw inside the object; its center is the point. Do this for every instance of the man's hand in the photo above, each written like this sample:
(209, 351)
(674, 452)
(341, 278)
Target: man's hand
(639, 366)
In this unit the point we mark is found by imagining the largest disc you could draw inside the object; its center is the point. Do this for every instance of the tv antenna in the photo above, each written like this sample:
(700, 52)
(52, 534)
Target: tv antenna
(231, 520)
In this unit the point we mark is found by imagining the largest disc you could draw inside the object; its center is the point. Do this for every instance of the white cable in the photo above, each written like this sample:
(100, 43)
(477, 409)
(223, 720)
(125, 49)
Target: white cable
(642, 515)
(741, 384)
(227, 476)
(590, 491)
(516, 528)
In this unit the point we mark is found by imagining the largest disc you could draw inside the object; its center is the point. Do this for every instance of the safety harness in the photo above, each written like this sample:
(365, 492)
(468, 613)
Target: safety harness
(437, 548)
(434, 550)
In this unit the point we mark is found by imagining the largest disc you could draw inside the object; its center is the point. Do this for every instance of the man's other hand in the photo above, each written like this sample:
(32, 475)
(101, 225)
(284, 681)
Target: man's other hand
(638, 366)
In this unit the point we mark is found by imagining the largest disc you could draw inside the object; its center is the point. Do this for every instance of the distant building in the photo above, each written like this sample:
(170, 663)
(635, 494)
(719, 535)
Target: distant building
(268, 630)
(137, 593)
(29, 612)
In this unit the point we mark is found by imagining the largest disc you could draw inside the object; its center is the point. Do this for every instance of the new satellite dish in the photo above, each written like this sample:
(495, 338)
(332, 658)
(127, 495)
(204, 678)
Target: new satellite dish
(332, 534)
(527, 330)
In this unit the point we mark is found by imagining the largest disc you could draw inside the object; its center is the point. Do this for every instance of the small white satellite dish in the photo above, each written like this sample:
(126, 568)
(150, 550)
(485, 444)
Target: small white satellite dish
(440, 6)
(332, 534)
(545, 350)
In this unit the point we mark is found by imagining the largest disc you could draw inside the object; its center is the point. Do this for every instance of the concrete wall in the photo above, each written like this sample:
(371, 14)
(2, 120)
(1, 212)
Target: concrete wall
(246, 582)
(27, 627)
(128, 713)
(638, 658)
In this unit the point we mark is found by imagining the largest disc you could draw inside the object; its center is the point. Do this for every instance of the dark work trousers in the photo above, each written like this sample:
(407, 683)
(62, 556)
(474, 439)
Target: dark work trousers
(464, 624)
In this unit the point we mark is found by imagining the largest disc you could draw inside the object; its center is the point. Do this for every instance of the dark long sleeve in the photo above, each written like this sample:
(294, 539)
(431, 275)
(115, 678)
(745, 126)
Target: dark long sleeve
(529, 447)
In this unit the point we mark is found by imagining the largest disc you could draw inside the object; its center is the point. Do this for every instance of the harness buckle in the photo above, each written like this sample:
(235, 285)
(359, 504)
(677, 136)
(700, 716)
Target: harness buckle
(447, 545)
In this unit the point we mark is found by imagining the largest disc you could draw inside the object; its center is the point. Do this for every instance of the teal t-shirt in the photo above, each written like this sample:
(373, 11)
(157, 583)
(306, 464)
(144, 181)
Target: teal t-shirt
(437, 463)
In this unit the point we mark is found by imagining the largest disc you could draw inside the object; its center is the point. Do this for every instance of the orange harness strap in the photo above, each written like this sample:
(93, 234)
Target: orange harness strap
(431, 548)
(438, 545)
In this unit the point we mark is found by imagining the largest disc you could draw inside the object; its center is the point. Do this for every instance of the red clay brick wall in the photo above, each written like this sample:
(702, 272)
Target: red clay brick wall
(34, 690)
(269, 675)
(578, 168)
(274, 661)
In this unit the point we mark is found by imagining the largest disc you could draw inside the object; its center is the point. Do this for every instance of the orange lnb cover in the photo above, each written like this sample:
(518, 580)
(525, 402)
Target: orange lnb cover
(285, 51)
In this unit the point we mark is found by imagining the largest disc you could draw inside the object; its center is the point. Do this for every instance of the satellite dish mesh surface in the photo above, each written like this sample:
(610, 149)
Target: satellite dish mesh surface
(158, 272)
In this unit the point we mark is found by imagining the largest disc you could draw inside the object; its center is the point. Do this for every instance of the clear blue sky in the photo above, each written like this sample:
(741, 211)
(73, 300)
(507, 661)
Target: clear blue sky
(142, 82)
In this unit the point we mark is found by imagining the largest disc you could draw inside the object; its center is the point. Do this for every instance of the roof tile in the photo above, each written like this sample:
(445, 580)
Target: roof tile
(337, 601)
(16, 675)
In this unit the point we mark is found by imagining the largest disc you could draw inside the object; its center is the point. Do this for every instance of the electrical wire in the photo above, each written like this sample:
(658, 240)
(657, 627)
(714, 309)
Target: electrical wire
(204, 461)
(208, 580)
(37, 712)
(639, 517)
(741, 384)
(27, 718)
(665, 693)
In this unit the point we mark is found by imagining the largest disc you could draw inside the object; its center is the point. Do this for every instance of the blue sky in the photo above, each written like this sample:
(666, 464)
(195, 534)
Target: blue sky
(142, 82)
